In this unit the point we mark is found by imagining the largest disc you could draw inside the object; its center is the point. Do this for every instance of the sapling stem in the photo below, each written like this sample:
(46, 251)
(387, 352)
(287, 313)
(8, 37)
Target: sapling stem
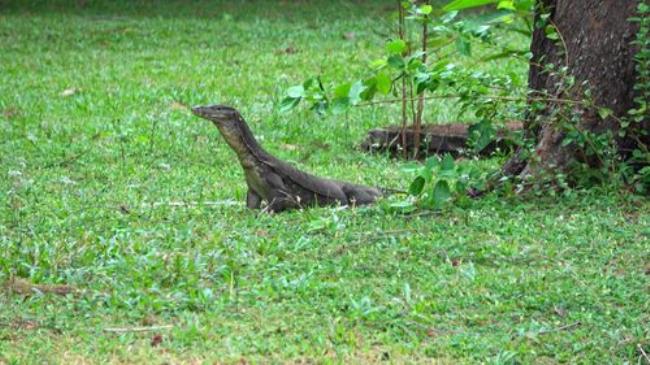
(418, 118)
(404, 97)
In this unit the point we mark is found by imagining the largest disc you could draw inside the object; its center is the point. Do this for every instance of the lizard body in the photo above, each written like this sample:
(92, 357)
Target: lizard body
(274, 181)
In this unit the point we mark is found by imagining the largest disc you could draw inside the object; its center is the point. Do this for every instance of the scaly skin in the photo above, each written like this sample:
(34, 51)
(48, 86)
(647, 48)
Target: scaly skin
(273, 181)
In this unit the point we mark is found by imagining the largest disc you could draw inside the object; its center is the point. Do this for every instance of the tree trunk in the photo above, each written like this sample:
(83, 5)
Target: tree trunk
(594, 43)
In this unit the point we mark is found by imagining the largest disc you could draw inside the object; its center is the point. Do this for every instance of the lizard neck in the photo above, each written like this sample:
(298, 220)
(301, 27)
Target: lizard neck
(242, 141)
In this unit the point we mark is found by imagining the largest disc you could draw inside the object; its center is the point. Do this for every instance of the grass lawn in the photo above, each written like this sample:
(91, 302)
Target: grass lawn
(109, 185)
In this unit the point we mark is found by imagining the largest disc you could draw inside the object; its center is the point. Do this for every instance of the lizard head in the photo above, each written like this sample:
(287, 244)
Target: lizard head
(224, 117)
(230, 124)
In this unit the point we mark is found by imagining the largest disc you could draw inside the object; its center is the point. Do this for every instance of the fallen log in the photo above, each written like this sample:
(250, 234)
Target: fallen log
(435, 139)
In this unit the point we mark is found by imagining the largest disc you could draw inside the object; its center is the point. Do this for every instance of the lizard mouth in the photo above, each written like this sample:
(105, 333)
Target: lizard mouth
(216, 113)
(200, 111)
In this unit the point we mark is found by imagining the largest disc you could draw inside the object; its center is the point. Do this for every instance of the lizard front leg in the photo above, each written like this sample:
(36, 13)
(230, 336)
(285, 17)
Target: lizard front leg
(253, 200)
(282, 201)
(281, 194)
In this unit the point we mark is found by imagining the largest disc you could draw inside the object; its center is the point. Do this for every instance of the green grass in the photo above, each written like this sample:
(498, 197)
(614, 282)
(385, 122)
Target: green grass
(545, 280)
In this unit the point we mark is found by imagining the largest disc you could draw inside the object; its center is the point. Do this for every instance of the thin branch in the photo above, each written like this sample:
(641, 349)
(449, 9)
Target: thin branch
(384, 233)
(191, 204)
(401, 36)
(645, 355)
(68, 160)
(137, 329)
(412, 101)
(587, 139)
(420, 111)
(562, 328)
(566, 49)
(497, 97)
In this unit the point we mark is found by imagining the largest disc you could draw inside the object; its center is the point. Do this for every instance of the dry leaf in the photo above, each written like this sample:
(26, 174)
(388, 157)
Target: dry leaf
(24, 324)
(178, 106)
(69, 92)
(124, 209)
(201, 139)
(24, 287)
(262, 233)
(10, 112)
(289, 147)
(288, 50)
(156, 340)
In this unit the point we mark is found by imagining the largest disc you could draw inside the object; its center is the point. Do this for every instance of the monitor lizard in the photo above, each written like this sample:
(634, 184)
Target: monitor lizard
(273, 181)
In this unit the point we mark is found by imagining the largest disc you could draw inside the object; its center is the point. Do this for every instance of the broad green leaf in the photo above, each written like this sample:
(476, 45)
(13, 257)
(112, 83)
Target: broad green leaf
(440, 66)
(417, 186)
(355, 92)
(343, 90)
(308, 83)
(524, 5)
(420, 87)
(340, 105)
(463, 47)
(370, 89)
(396, 61)
(396, 46)
(481, 135)
(604, 113)
(466, 4)
(377, 64)
(432, 162)
(441, 192)
(320, 107)
(447, 163)
(422, 81)
(506, 4)
(461, 186)
(551, 33)
(384, 83)
(425, 9)
(437, 42)
(297, 91)
(433, 84)
(288, 103)
(414, 64)
(449, 16)
(426, 171)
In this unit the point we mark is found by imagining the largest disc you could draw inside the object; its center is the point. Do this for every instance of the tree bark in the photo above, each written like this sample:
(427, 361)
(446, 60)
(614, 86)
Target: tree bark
(594, 45)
